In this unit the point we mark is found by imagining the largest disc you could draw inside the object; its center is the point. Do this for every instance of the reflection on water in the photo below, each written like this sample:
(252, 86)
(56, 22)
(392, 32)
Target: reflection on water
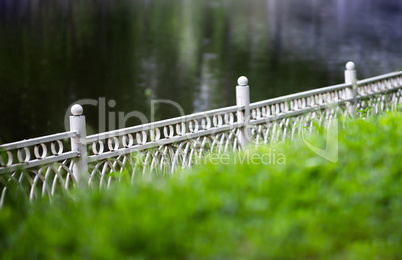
(53, 53)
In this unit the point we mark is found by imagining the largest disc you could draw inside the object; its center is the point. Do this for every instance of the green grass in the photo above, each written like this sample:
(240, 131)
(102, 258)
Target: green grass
(307, 208)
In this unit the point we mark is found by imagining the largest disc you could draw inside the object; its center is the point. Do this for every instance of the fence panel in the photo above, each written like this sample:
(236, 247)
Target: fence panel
(163, 146)
(38, 166)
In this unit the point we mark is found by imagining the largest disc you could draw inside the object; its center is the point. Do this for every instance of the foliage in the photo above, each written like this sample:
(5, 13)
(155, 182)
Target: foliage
(308, 208)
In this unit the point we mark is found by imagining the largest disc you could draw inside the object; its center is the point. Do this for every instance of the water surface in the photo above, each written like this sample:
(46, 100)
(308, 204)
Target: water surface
(126, 53)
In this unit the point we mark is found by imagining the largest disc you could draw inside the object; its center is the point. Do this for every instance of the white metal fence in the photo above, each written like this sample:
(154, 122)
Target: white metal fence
(42, 166)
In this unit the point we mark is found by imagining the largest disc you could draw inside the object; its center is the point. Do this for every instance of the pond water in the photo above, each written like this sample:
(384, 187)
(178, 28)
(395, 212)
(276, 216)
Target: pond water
(123, 54)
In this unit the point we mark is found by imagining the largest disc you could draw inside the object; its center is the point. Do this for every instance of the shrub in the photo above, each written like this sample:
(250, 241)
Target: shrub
(307, 208)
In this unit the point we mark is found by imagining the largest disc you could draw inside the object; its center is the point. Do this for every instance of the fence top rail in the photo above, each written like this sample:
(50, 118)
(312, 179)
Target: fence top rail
(380, 77)
(322, 90)
(299, 95)
(162, 123)
(38, 140)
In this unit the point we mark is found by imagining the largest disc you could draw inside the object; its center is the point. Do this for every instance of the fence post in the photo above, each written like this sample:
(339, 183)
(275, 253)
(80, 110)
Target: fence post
(243, 116)
(78, 143)
(350, 78)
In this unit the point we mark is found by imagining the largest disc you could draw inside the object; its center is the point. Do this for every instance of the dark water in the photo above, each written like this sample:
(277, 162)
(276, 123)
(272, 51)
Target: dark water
(126, 53)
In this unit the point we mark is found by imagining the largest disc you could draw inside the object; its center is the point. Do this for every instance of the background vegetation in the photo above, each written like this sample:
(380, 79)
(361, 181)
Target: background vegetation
(308, 208)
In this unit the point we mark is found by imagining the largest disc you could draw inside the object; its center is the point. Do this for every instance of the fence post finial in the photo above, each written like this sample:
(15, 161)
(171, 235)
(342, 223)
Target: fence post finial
(350, 73)
(77, 110)
(78, 142)
(243, 114)
(351, 92)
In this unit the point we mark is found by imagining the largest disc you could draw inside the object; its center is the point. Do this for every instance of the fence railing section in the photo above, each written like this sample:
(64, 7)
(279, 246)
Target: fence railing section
(161, 146)
(280, 118)
(40, 166)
